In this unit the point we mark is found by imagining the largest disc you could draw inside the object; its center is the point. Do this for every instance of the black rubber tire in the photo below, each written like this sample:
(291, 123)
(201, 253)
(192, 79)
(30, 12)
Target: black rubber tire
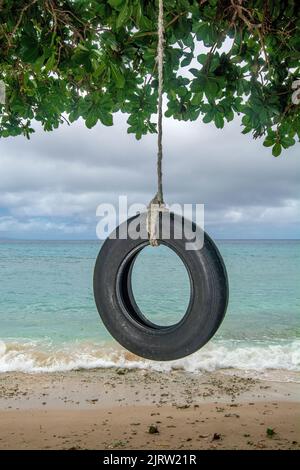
(122, 317)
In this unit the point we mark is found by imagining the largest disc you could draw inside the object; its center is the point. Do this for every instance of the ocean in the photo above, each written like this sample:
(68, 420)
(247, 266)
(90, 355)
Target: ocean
(49, 322)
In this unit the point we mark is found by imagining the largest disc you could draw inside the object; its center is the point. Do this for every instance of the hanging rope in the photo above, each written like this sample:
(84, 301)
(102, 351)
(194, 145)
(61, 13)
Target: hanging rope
(157, 205)
(160, 65)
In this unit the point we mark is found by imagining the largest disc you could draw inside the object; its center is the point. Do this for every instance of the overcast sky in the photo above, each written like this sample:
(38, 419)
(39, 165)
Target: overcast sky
(51, 185)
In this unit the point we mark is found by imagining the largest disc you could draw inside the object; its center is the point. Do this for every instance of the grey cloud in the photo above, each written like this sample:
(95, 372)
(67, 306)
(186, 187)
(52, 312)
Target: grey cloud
(67, 173)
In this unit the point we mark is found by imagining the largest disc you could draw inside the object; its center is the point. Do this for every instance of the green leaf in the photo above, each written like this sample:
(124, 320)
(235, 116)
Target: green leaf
(189, 41)
(50, 63)
(195, 72)
(208, 117)
(229, 114)
(214, 64)
(187, 60)
(197, 99)
(202, 32)
(116, 3)
(211, 89)
(169, 113)
(287, 141)
(29, 51)
(202, 58)
(123, 16)
(38, 64)
(106, 118)
(268, 142)
(91, 121)
(276, 151)
(219, 120)
(117, 75)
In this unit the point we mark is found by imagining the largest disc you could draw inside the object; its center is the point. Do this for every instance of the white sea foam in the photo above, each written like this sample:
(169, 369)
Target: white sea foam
(38, 357)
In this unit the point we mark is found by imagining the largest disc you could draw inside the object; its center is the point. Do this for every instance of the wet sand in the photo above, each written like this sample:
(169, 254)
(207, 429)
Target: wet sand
(136, 409)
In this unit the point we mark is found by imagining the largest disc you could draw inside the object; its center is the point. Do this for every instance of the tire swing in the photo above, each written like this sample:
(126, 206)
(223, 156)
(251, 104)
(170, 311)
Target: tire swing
(113, 271)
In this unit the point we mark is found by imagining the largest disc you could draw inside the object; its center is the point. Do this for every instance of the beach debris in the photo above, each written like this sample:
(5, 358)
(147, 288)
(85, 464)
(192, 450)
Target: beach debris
(270, 432)
(219, 410)
(92, 400)
(261, 445)
(203, 436)
(231, 415)
(153, 429)
(116, 444)
(121, 371)
(216, 436)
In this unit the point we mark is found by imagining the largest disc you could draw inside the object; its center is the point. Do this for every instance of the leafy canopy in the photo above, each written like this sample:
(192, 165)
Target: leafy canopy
(61, 60)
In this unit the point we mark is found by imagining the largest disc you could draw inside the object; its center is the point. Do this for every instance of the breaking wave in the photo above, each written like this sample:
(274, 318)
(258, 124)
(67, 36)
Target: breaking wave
(37, 356)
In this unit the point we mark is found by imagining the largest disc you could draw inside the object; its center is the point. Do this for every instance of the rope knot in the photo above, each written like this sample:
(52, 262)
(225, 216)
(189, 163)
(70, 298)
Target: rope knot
(155, 207)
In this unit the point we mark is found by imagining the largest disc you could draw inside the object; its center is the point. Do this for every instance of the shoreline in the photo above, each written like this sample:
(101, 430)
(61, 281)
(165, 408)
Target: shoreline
(114, 409)
(264, 360)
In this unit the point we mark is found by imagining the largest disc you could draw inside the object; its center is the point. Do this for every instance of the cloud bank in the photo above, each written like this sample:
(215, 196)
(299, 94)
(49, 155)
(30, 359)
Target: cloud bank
(51, 185)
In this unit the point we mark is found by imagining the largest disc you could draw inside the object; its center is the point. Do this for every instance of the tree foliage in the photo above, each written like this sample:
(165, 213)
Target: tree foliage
(61, 60)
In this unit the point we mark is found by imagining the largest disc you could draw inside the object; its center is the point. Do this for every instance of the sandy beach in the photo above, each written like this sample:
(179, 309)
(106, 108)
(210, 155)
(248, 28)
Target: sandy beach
(138, 409)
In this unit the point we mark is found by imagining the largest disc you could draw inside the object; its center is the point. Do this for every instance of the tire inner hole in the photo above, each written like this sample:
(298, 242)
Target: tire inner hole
(160, 285)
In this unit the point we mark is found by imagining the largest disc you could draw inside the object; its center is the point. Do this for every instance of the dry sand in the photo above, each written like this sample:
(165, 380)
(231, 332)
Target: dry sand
(116, 409)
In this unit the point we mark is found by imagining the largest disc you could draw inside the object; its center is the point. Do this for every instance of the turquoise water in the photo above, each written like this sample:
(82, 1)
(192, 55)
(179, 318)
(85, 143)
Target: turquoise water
(48, 319)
